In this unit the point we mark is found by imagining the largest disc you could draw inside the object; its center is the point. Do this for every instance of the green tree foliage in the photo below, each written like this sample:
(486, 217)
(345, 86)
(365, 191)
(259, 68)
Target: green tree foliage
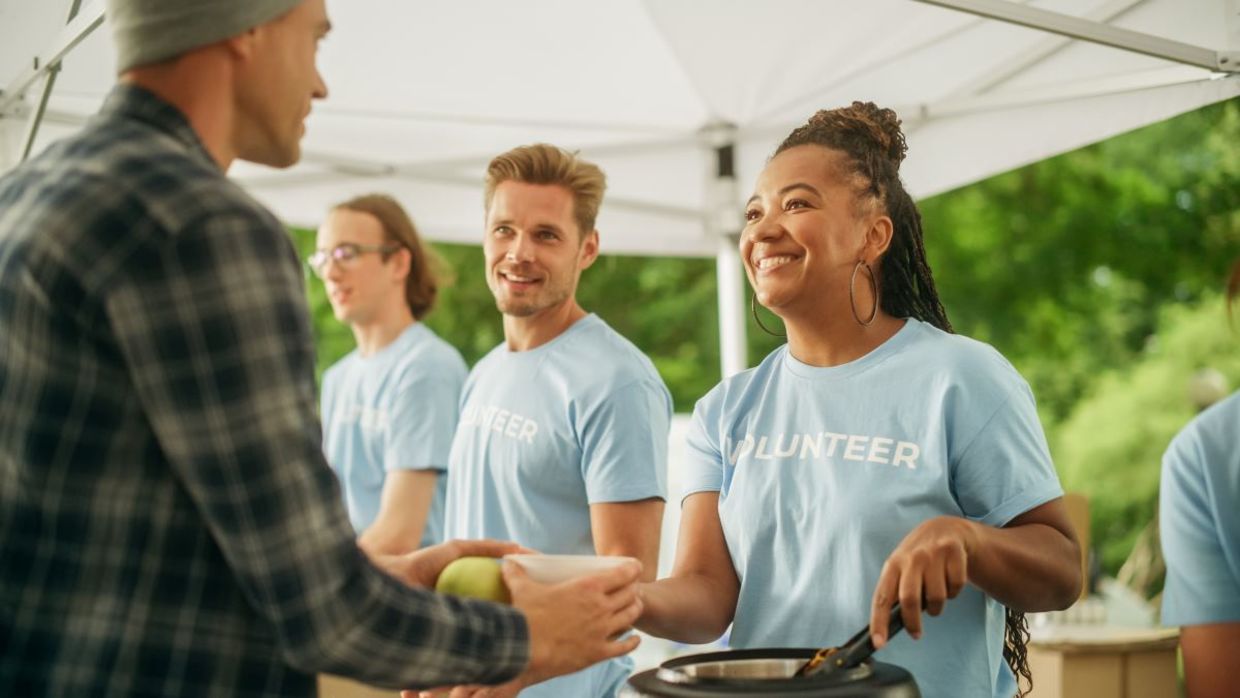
(1111, 444)
(331, 339)
(1064, 264)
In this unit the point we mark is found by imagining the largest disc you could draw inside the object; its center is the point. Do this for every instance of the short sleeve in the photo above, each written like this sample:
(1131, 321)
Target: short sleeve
(624, 444)
(1201, 586)
(423, 419)
(1006, 469)
(704, 461)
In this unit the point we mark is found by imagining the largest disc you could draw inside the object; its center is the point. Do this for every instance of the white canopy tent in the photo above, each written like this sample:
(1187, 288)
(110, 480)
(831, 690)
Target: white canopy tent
(680, 101)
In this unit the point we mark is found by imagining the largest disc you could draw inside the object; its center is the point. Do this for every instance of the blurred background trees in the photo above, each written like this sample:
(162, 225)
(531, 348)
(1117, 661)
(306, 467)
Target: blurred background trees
(1097, 273)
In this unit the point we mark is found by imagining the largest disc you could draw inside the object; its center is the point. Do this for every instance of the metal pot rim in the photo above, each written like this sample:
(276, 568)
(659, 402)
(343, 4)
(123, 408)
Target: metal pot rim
(677, 671)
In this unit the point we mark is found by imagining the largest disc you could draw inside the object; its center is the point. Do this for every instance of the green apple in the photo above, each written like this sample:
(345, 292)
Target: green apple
(475, 577)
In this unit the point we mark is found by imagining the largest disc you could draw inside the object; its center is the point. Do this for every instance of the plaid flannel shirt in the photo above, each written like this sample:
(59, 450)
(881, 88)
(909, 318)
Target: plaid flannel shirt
(168, 524)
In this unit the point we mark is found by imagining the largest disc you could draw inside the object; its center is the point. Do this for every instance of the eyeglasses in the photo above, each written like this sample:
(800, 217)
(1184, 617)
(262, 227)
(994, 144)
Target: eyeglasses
(345, 254)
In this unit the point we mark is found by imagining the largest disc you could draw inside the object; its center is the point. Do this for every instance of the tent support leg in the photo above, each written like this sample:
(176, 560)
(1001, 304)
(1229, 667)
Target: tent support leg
(49, 83)
(731, 288)
(83, 21)
(722, 222)
(36, 117)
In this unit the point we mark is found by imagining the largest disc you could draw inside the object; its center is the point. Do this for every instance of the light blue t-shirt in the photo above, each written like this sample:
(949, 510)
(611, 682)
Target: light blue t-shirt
(545, 433)
(393, 410)
(821, 472)
(1199, 519)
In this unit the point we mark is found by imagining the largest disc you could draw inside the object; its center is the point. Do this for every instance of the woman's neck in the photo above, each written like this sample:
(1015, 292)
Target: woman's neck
(838, 338)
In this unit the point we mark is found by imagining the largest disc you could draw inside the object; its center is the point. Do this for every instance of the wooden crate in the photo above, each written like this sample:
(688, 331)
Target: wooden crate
(1105, 662)
(337, 687)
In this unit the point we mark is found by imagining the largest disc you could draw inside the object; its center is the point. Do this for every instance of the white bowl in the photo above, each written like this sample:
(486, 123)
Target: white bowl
(553, 569)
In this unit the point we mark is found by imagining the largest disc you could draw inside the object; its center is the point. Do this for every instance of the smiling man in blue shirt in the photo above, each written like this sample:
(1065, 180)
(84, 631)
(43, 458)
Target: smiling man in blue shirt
(562, 444)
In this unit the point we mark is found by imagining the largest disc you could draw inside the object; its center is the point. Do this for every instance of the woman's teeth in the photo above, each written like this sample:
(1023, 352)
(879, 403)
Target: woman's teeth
(772, 262)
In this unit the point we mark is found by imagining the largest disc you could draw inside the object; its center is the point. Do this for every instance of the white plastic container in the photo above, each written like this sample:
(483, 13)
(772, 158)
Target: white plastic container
(553, 569)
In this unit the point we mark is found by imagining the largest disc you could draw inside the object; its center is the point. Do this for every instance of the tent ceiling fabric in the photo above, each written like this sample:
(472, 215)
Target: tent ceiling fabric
(422, 94)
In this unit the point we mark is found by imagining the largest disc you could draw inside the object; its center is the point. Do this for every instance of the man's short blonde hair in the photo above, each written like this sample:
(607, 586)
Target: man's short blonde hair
(541, 163)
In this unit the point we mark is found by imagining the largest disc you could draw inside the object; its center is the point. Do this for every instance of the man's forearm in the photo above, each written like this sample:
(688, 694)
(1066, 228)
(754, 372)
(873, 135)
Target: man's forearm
(378, 630)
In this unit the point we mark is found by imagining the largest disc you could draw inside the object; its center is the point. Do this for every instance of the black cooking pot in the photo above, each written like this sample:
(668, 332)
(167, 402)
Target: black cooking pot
(767, 672)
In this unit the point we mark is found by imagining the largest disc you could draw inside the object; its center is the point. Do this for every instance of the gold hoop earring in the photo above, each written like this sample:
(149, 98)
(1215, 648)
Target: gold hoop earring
(753, 309)
(852, 296)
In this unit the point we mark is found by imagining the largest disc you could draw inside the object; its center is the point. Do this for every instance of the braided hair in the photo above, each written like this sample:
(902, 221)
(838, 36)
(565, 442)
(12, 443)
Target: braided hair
(874, 147)
(872, 140)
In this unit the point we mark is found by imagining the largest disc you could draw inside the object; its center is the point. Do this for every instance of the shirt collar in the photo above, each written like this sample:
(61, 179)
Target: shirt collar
(129, 101)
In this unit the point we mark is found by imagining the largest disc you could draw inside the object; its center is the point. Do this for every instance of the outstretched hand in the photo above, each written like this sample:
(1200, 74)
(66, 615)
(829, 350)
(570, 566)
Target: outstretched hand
(576, 623)
(572, 625)
(421, 568)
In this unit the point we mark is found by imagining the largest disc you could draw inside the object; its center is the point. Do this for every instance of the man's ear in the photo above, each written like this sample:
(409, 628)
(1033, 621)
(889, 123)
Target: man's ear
(402, 260)
(241, 46)
(589, 250)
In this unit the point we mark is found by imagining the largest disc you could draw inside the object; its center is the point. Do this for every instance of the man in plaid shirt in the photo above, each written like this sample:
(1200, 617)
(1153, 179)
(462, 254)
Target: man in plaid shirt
(168, 525)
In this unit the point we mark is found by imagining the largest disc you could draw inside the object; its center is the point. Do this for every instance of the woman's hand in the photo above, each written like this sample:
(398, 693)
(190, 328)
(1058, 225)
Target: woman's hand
(1030, 564)
(930, 564)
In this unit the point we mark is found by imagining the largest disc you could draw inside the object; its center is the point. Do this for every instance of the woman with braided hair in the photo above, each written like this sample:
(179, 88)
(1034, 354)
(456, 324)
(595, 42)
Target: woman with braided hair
(874, 458)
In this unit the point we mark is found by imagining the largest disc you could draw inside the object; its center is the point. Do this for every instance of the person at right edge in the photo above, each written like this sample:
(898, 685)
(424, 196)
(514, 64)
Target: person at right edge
(1199, 529)
(876, 457)
(168, 523)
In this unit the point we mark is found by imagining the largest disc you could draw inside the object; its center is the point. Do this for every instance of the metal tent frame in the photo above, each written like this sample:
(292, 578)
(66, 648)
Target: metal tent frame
(718, 218)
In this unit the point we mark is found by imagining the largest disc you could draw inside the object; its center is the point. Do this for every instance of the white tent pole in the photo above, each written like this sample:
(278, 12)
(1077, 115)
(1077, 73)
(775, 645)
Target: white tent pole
(7, 161)
(1096, 32)
(732, 353)
(722, 222)
(49, 83)
(86, 21)
(1047, 47)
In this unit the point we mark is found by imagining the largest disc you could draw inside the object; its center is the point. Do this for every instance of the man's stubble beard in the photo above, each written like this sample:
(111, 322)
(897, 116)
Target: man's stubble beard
(525, 308)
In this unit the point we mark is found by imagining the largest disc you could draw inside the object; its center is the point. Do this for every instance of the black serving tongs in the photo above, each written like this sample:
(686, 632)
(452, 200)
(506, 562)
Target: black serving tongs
(848, 655)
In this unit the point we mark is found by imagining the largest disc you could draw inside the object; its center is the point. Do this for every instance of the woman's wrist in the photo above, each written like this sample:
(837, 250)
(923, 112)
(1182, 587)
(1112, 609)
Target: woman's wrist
(647, 593)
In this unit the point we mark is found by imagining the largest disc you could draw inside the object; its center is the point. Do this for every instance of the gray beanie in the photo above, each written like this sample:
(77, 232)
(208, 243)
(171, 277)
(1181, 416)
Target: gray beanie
(150, 31)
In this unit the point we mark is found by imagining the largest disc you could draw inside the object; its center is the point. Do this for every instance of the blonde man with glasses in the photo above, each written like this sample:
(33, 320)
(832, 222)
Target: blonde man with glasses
(389, 407)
